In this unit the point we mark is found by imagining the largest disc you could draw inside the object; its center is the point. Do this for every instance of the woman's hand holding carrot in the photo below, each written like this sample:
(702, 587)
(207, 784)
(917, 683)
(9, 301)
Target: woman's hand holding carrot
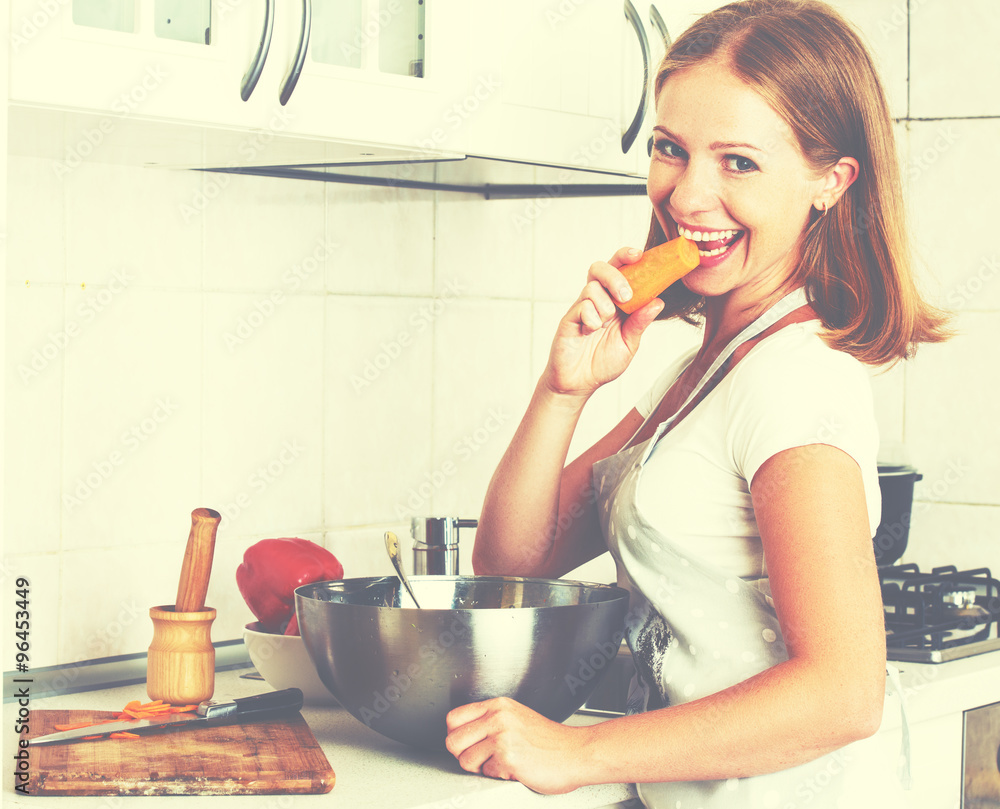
(594, 341)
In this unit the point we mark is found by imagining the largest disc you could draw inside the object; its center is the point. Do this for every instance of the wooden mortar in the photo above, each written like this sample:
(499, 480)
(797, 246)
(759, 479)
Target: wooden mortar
(180, 666)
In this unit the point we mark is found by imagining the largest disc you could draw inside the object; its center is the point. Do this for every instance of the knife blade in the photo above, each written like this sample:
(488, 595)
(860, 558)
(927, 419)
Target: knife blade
(210, 713)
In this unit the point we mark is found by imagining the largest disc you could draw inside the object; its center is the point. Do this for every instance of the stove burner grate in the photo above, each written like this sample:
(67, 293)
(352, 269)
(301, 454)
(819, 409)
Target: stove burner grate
(928, 613)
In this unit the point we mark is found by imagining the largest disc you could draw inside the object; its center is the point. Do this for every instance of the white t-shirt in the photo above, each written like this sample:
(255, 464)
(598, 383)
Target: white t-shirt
(790, 390)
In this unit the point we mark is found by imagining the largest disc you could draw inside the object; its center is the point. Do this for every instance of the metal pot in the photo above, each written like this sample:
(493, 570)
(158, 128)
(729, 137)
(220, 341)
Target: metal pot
(896, 482)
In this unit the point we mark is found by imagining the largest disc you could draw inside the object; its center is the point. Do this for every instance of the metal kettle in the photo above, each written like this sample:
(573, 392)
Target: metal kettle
(435, 544)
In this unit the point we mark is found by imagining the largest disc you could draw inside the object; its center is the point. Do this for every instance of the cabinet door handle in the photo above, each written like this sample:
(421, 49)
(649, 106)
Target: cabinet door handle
(661, 28)
(628, 137)
(257, 65)
(300, 54)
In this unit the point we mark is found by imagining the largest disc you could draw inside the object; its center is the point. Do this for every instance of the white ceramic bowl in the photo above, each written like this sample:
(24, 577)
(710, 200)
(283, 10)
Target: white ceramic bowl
(284, 662)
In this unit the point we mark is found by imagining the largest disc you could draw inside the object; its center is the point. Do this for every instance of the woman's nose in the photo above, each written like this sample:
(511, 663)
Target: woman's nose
(693, 193)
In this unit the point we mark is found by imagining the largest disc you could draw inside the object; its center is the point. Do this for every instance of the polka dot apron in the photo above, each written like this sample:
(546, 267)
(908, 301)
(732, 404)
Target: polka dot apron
(695, 630)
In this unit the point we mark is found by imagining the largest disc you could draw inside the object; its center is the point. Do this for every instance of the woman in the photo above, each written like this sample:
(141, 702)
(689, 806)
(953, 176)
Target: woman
(740, 497)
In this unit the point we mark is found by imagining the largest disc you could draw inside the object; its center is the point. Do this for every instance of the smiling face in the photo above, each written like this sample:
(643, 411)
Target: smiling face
(727, 172)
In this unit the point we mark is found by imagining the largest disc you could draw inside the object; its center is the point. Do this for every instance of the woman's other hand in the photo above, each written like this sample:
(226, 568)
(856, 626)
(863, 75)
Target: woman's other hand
(501, 738)
(594, 341)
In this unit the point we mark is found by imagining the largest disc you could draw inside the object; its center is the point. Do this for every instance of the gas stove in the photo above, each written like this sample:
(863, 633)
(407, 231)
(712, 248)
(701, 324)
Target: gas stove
(939, 616)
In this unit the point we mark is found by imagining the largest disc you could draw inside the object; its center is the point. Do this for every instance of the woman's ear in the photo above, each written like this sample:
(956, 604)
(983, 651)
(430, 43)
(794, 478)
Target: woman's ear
(836, 181)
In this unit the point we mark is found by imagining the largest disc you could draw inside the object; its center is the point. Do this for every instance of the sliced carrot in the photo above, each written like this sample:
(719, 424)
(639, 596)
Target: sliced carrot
(133, 710)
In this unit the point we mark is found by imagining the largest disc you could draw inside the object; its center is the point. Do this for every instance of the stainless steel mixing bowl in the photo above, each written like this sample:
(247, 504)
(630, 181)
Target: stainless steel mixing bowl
(545, 643)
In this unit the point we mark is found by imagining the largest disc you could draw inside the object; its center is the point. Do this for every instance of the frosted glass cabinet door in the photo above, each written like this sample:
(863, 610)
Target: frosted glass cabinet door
(379, 71)
(183, 20)
(111, 15)
(385, 71)
(149, 58)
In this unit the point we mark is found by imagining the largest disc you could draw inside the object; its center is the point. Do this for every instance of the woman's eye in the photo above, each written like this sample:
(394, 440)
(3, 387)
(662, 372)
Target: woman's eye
(740, 165)
(668, 148)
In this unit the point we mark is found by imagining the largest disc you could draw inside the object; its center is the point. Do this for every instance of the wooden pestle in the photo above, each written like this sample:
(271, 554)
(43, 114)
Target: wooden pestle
(180, 665)
(197, 567)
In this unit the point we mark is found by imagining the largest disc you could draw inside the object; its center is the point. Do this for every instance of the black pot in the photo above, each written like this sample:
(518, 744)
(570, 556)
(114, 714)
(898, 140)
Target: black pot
(896, 483)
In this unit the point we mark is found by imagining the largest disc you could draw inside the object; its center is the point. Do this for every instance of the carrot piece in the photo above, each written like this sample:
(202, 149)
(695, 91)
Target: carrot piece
(87, 738)
(124, 734)
(183, 708)
(657, 269)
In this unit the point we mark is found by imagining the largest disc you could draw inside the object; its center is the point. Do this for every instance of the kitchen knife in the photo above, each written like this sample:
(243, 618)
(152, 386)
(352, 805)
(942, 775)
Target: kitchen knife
(209, 713)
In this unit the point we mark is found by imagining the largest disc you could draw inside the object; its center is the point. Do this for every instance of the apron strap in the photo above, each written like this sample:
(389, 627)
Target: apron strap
(904, 770)
(800, 315)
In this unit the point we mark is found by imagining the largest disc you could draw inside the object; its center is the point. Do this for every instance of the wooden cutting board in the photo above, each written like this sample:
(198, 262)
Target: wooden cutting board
(267, 757)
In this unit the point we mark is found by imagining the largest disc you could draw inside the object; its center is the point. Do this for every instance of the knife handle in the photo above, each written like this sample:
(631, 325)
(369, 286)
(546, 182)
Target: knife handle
(258, 706)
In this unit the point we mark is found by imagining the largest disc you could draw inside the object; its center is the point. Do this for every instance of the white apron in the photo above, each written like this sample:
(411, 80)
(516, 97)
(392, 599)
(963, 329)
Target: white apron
(712, 630)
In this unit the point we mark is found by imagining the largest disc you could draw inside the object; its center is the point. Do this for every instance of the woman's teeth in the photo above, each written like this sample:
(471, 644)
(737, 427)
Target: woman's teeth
(718, 251)
(726, 238)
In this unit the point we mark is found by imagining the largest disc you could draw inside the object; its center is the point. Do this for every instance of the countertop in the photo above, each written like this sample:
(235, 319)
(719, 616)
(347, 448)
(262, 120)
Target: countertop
(371, 771)
(375, 772)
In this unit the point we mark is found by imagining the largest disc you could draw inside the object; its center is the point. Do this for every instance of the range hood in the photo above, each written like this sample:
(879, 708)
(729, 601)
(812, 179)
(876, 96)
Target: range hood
(73, 137)
(487, 177)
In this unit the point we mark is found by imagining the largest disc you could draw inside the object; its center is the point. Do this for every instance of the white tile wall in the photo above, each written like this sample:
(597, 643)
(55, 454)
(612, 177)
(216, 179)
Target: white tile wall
(37, 213)
(166, 251)
(325, 361)
(38, 338)
(955, 62)
(378, 388)
(950, 185)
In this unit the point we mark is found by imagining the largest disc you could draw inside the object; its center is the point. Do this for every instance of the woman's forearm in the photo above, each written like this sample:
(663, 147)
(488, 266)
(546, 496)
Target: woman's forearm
(533, 492)
(785, 716)
(521, 508)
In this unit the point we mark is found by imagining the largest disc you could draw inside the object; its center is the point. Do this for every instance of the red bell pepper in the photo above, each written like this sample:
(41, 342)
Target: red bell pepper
(272, 569)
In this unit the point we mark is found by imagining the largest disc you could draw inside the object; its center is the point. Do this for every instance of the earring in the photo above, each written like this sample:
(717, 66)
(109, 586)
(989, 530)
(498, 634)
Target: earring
(822, 211)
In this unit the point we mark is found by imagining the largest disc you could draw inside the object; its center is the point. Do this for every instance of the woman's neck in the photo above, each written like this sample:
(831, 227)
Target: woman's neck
(727, 315)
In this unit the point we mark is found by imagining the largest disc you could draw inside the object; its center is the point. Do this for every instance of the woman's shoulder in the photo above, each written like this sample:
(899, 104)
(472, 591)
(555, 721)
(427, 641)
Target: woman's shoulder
(794, 372)
(799, 355)
(794, 390)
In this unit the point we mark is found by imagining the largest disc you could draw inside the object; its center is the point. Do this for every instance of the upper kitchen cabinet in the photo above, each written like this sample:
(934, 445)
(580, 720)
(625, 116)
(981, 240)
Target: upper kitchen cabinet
(563, 83)
(301, 72)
